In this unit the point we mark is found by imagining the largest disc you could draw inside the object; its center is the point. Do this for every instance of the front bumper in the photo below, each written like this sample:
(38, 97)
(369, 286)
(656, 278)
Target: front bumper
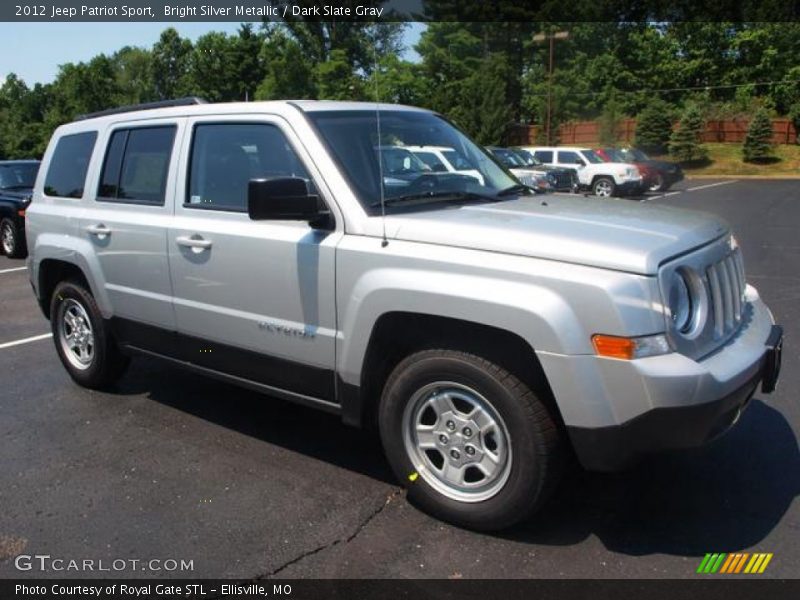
(618, 411)
(630, 187)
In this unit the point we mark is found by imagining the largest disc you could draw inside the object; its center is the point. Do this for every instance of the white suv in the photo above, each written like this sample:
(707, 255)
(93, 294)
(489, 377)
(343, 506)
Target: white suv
(602, 178)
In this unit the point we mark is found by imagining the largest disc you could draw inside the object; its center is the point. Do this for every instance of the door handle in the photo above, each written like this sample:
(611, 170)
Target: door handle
(99, 230)
(194, 242)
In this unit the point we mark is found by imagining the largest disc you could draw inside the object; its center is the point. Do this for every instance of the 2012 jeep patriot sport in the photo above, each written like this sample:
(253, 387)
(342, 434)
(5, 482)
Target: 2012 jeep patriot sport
(484, 330)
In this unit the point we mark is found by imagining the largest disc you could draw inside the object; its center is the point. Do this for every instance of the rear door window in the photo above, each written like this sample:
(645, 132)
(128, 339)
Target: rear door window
(567, 157)
(546, 156)
(136, 165)
(66, 175)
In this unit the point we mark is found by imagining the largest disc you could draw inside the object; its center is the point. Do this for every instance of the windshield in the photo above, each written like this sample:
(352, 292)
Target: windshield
(633, 154)
(352, 137)
(508, 158)
(398, 161)
(18, 176)
(615, 155)
(459, 162)
(528, 158)
(592, 156)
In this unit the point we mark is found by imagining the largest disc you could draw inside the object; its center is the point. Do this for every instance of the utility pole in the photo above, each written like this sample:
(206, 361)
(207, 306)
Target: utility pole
(551, 38)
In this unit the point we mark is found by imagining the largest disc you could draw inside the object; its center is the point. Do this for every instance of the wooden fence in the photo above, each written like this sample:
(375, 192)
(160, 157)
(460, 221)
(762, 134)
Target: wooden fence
(587, 133)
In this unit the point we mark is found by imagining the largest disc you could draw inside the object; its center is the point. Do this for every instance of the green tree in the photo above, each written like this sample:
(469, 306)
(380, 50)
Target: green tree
(758, 141)
(684, 143)
(134, 74)
(397, 81)
(336, 80)
(483, 109)
(170, 65)
(610, 120)
(654, 126)
(212, 71)
(287, 71)
(83, 88)
(246, 56)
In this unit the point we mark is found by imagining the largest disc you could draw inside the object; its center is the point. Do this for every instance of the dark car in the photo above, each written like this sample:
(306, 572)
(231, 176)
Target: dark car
(566, 179)
(16, 185)
(559, 179)
(659, 175)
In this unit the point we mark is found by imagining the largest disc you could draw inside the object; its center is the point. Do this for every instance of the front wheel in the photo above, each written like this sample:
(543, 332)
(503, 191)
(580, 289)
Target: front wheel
(603, 187)
(83, 341)
(658, 184)
(474, 445)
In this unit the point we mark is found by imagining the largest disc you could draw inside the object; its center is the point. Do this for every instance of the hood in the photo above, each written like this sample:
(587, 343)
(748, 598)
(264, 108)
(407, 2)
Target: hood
(21, 194)
(606, 233)
(661, 165)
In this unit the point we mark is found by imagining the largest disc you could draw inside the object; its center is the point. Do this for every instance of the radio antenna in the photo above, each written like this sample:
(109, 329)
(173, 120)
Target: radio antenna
(384, 239)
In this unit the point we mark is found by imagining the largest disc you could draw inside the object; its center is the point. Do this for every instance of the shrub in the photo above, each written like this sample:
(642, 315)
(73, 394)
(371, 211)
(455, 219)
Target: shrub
(684, 144)
(654, 127)
(794, 117)
(758, 141)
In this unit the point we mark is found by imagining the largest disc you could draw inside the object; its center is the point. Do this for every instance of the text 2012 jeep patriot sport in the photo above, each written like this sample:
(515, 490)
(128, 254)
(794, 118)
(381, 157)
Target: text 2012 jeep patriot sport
(484, 330)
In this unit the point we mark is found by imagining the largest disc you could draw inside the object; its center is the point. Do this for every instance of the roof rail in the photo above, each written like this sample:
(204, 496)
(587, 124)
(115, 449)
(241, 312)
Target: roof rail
(187, 101)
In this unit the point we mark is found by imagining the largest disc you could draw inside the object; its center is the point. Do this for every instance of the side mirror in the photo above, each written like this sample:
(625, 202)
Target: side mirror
(281, 199)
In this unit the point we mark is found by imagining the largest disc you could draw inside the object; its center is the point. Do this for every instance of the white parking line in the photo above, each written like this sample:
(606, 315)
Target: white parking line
(13, 270)
(710, 185)
(647, 198)
(35, 338)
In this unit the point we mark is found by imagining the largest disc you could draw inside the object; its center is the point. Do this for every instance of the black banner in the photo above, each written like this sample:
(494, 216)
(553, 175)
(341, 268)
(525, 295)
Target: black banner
(610, 589)
(399, 10)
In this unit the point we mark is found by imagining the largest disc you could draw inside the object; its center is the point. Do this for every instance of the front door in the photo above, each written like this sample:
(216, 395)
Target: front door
(253, 299)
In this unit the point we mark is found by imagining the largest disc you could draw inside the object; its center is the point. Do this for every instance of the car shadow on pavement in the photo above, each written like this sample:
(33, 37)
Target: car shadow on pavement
(300, 429)
(724, 497)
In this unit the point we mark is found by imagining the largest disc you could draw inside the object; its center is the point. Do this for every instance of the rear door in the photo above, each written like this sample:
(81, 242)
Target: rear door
(253, 299)
(126, 222)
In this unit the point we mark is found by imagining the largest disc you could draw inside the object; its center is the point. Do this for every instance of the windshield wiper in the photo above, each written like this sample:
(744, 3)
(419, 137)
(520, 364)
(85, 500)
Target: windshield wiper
(433, 196)
(17, 187)
(514, 189)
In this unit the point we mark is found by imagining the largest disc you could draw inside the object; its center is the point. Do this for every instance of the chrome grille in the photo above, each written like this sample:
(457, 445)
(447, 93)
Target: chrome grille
(528, 180)
(726, 284)
(564, 179)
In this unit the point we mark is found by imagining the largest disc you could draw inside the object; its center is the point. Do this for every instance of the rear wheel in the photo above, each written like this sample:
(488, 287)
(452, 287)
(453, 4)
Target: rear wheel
(603, 187)
(11, 239)
(474, 445)
(83, 341)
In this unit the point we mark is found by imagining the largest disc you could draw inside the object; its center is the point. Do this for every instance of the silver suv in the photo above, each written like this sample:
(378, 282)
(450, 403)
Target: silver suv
(486, 332)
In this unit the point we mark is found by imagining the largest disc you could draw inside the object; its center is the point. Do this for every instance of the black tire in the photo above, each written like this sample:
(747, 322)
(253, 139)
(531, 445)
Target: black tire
(13, 245)
(658, 184)
(604, 186)
(107, 363)
(535, 442)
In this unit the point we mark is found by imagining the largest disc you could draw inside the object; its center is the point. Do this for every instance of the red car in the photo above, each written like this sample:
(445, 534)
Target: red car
(657, 175)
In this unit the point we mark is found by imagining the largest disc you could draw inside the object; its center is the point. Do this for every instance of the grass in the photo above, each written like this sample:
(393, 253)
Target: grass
(726, 160)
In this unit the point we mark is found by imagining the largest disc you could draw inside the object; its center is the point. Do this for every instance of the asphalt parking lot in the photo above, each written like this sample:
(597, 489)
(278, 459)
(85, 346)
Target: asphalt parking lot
(175, 466)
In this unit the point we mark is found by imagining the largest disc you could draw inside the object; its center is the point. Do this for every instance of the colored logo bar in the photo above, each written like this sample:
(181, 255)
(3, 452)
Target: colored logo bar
(735, 563)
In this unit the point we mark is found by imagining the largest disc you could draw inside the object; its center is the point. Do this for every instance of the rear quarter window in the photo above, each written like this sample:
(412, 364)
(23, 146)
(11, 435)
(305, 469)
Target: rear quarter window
(66, 175)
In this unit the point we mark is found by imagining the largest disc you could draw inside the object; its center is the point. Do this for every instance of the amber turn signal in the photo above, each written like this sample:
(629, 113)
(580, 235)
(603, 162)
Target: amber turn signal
(614, 347)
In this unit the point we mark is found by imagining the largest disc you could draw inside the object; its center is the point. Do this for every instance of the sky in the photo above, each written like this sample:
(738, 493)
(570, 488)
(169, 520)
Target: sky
(34, 50)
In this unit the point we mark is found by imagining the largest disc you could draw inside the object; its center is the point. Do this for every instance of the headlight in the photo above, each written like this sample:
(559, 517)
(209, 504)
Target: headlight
(680, 303)
(687, 302)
